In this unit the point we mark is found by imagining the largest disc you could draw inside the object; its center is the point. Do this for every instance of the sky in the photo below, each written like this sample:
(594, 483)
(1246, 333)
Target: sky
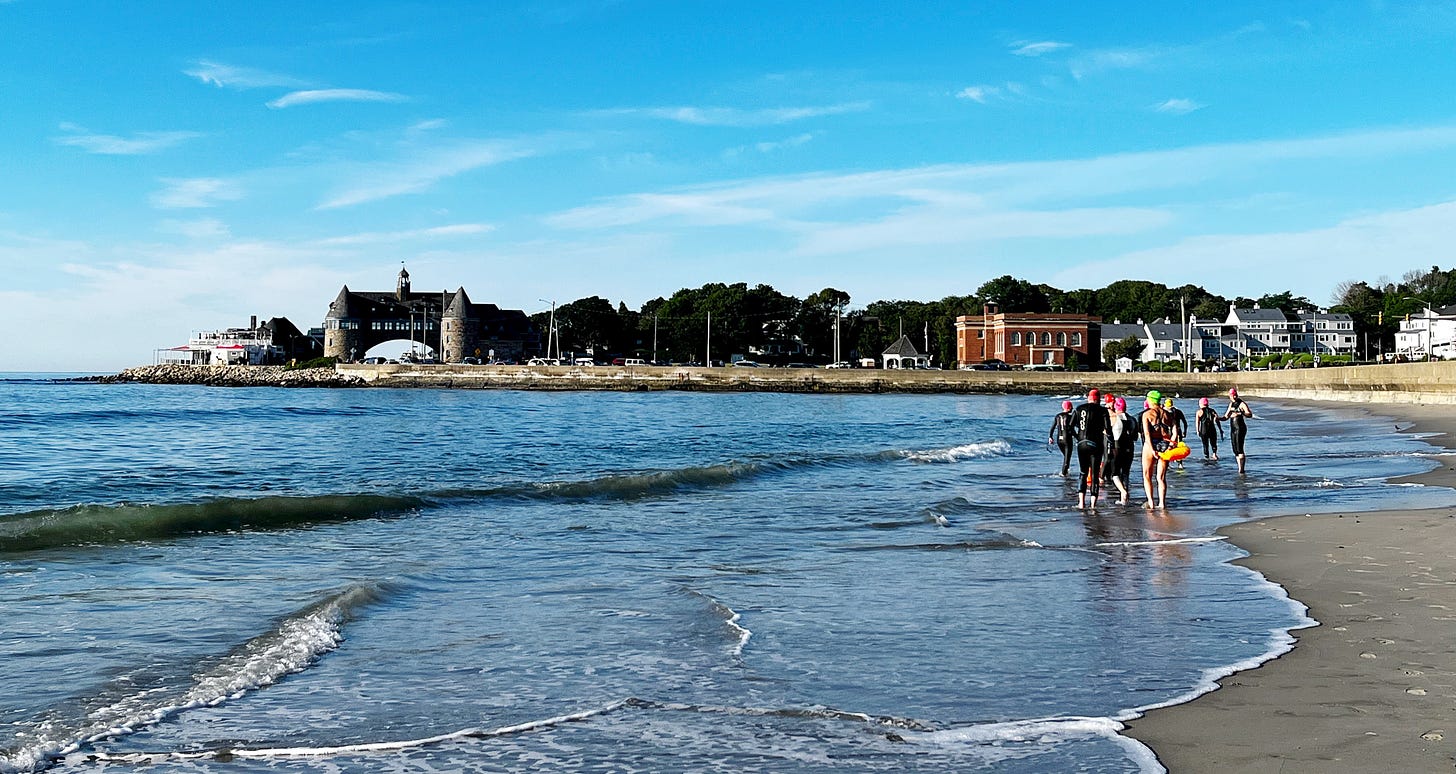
(171, 167)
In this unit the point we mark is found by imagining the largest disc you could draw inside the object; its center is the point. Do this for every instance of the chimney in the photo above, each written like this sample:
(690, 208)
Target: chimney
(1256, 304)
(989, 308)
(253, 323)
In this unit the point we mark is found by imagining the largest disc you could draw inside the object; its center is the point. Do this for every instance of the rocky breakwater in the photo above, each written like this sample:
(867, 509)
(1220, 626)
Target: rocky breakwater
(233, 376)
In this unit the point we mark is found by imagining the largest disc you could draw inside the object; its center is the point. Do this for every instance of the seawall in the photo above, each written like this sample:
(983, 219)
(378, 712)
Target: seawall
(232, 376)
(1433, 383)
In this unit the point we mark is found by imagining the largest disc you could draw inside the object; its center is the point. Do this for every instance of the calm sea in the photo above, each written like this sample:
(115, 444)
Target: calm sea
(240, 580)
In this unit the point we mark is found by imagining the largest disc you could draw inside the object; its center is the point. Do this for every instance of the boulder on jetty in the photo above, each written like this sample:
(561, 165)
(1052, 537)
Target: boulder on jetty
(233, 376)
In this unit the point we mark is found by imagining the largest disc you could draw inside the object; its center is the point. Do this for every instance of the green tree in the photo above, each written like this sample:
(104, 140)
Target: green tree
(1015, 295)
(1130, 347)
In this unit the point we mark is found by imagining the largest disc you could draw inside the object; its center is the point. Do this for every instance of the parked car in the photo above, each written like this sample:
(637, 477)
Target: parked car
(584, 362)
(746, 364)
(840, 364)
(470, 361)
(634, 361)
(543, 361)
(374, 360)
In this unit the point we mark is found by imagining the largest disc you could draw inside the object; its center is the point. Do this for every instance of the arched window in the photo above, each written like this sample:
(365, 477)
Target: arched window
(1016, 338)
(1046, 339)
(1061, 339)
(1076, 339)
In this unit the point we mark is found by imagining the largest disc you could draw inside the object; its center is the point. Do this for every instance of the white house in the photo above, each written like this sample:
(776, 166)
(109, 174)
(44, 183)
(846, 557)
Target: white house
(1325, 333)
(902, 354)
(1429, 332)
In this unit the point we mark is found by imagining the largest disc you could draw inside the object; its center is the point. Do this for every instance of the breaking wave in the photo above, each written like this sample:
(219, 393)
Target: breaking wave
(293, 645)
(93, 524)
(101, 524)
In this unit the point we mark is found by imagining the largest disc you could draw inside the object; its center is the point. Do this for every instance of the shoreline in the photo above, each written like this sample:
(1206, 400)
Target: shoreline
(1372, 687)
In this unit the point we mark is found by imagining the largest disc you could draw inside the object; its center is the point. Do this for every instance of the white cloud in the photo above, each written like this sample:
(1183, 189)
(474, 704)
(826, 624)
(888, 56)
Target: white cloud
(723, 116)
(1039, 48)
(196, 192)
(1314, 259)
(141, 143)
(379, 237)
(201, 228)
(313, 96)
(229, 76)
(1097, 62)
(980, 94)
(1177, 106)
(386, 179)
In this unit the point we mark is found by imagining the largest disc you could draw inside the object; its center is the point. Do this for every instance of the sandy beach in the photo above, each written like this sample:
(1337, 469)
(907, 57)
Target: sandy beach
(1373, 687)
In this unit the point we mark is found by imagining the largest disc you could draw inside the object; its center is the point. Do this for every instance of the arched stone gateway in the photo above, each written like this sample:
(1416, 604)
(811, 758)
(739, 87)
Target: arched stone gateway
(446, 322)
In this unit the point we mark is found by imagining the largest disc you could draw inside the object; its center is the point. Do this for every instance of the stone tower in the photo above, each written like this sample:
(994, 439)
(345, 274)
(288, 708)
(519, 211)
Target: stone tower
(341, 328)
(458, 329)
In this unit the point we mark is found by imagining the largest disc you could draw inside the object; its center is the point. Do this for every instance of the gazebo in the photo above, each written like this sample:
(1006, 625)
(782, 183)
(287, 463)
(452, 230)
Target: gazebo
(902, 351)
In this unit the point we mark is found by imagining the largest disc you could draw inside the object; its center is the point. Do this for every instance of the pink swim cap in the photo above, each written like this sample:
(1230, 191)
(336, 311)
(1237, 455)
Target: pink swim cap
(1119, 404)
(1233, 391)
(1203, 401)
(1066, 405)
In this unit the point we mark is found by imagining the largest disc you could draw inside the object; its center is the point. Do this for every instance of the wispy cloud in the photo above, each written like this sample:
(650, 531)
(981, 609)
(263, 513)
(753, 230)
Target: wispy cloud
(1106, 60)
(740, 117)
(1177, 106)
(230, 76)
(202, 228)
(426, 168)
(139, 144)
(1039, 48)
(770, 146)
(981, 94)
(382, 237)
(195, 192)
(312, 96)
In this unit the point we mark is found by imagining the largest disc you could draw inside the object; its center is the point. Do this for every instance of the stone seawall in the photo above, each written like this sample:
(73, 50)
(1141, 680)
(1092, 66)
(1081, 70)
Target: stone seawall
(1433, 383)
(233, 376)
(1402, 383)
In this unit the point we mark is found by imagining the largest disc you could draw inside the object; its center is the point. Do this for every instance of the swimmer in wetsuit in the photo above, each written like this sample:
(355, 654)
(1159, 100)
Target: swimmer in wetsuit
(1092, 430)
(1159, 434)
(1061, 434)
(1176, 417)
(1206, 421)
(1124, 448)
(1237, 412)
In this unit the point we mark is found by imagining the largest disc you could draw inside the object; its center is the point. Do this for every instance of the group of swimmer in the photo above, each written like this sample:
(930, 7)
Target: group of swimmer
(1104, 437)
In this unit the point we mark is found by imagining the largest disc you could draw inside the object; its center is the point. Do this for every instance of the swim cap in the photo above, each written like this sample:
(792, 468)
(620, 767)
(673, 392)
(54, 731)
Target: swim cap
(1119, 404)
(1109, 399)
(1203, 401)
(1067, 405)
(1093, 396)
(1155, 396)
(1233, 392)
(1167, 403)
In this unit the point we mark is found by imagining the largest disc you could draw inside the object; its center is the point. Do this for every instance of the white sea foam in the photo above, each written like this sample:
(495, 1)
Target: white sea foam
(292, 647)
(406, 744)
(743, 633)
(957, 453)
(1164, 542)
(1045, 732)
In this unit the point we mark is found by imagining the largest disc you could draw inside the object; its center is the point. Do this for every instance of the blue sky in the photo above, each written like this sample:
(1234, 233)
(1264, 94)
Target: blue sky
(178, 166)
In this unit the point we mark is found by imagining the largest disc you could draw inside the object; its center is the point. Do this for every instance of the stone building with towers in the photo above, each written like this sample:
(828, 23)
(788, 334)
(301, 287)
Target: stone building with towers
(447, 324)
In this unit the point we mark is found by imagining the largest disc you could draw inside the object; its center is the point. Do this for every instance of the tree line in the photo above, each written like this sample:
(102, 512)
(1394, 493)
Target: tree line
(761, 319)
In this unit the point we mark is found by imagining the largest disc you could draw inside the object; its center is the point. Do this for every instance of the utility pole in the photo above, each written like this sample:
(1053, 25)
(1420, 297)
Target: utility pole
(708, 348)
(654, 339)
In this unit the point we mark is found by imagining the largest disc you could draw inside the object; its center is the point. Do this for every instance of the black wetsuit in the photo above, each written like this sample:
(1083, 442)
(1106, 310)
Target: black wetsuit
(1092, 429)
(1237, 428)
(1061, 435)
(1209, 429)
(1178, 420)
(1126, 449)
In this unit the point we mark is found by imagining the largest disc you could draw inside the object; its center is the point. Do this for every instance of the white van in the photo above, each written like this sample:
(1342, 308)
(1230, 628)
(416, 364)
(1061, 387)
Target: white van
(584, 362)
(634, 361)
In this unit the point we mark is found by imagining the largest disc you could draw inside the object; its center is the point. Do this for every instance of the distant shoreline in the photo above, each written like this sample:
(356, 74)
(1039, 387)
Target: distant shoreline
(1427, 383)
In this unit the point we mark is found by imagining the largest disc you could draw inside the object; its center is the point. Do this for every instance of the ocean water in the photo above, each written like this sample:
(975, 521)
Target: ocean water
(239, 580)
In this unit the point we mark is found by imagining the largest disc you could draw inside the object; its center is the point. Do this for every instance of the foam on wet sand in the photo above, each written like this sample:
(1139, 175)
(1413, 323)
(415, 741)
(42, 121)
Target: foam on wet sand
(1373, 688)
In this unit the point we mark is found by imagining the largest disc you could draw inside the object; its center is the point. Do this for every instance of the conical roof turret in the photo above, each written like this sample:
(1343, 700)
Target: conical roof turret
(341, 307)
(459, 306)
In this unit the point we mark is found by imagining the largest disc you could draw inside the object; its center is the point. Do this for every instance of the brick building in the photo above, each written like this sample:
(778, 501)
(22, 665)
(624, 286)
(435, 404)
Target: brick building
(1028, 339)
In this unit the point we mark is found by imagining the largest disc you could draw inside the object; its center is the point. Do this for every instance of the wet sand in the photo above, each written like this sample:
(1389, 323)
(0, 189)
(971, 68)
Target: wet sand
(1373, 687)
